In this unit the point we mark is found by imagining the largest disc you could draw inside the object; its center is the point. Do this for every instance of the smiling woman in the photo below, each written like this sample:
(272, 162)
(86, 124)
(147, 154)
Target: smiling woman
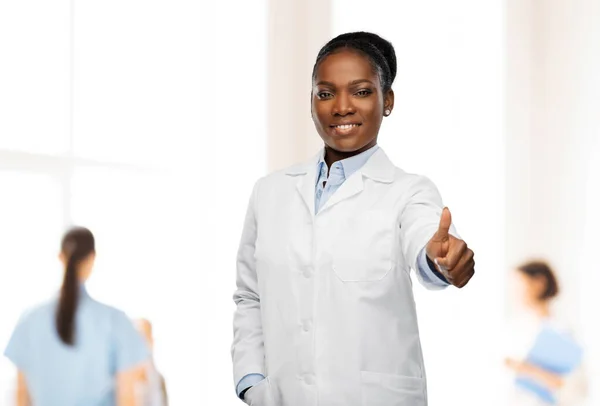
(325, 309)
(352, 92)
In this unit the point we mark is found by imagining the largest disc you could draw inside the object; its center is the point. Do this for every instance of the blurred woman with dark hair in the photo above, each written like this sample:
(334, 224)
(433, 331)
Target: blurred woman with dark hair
(538, 381)
(74, 350)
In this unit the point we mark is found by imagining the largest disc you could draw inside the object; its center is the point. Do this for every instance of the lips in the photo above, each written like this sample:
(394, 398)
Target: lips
(345, 128)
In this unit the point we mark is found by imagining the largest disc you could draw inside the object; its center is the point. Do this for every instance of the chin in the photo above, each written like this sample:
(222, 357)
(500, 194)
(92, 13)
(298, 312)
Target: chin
(345, 145)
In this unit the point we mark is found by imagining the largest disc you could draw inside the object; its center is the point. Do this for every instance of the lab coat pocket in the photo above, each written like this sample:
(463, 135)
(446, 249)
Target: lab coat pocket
(362, 251)
(380, 389)
(260, 394)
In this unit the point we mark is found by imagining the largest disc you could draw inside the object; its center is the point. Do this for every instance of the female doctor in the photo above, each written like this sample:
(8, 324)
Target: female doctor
(75, 350)
(325, 311)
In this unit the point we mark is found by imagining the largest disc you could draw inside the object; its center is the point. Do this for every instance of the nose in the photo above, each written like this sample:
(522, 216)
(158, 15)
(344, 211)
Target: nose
(343, 105)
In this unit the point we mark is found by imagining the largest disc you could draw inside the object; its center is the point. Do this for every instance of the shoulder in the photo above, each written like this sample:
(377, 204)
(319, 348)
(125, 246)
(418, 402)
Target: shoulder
(413, 184)
(108, 312)
(289, 173)
(561, 324)
(274, 181)
(380, 168)
(38, 313)
(117, 316)
(411, 179)
(31, 327)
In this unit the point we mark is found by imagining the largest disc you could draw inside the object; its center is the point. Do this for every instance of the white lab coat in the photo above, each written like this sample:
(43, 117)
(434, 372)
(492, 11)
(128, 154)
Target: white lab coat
(325, 308)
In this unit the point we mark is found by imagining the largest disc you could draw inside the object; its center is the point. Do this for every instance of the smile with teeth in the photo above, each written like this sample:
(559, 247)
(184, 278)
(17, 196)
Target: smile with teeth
(345, 128)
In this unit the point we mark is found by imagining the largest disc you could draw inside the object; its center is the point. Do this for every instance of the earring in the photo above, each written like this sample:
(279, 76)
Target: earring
(387, 112)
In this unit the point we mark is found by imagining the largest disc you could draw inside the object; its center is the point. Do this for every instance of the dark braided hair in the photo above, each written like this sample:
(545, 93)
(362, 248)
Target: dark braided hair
(379, 51)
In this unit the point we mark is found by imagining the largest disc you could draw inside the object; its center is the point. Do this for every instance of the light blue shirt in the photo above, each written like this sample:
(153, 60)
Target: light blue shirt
(339, 172)
(333, 179)
(106, 342)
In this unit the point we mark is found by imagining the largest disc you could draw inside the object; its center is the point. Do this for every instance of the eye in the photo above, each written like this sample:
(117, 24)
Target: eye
(363, 92)
(324, 95)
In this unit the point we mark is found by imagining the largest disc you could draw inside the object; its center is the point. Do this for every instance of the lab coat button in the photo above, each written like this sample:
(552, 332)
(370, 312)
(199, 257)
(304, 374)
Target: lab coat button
(306, 326)
(309, 379)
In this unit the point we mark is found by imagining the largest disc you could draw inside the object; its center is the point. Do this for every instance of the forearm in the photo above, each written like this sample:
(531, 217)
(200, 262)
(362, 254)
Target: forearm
(126, 397)
(22, 393)
(126, 384)
(548, 379)
(22, 398)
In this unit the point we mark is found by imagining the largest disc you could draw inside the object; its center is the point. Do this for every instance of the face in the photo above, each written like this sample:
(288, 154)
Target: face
(348, 103)
(528, 288)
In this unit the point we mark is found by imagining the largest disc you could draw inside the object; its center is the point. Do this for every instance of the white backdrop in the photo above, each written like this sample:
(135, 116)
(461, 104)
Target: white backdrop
(553, 131)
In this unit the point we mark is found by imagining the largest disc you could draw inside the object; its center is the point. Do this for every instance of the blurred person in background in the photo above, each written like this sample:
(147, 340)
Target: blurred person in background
(152, 389)
(325, 309)
(73, 350)
(536, 288)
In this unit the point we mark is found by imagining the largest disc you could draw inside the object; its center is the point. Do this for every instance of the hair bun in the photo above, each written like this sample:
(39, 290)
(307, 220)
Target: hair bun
(384, 46)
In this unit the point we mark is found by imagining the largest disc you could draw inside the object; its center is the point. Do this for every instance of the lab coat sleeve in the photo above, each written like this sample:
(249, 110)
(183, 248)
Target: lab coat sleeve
(575, 389)
(419, 221)
(248, 348)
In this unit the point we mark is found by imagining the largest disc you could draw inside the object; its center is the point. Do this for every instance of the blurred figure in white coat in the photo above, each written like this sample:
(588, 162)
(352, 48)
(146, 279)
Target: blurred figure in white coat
(536, 288)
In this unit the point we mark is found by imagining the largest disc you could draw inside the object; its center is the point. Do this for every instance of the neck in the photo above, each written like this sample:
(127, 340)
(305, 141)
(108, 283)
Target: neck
(542, 309)
(332, 156)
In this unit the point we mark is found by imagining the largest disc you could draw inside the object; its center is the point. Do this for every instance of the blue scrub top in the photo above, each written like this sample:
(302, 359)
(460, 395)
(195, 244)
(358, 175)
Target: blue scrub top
(106, 342)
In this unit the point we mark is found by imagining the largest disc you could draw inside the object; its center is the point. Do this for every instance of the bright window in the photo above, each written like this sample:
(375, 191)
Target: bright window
(34, 75)
(30, 228)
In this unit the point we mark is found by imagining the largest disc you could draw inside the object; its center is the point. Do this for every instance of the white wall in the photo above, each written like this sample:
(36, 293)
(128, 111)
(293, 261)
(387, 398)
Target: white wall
(588, 125)
(553, 132)
(297, 30)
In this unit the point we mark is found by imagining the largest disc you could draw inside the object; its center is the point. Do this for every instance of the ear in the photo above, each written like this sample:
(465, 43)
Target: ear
(388, 100)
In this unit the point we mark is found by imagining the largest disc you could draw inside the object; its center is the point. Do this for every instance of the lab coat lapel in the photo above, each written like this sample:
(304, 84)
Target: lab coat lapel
(306, 181)
(378, 168)
(352, 186)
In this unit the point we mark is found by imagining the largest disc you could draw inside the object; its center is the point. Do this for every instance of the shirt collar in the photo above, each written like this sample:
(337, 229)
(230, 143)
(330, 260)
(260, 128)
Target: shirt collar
(347, 166)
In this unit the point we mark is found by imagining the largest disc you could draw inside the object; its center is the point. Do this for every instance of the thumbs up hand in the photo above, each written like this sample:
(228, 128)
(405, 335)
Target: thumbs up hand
(452, 257)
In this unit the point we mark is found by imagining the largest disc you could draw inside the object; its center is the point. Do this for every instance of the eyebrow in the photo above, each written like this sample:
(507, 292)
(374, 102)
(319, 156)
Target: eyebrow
(354, 82)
